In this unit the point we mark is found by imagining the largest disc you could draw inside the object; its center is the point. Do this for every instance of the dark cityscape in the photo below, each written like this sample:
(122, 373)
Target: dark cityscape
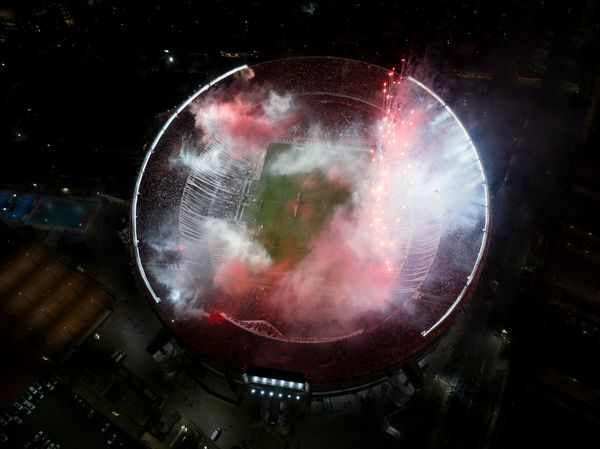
(299, 225)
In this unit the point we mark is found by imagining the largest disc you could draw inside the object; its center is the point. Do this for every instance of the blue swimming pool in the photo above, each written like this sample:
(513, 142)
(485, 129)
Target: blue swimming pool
(5, 199)
(61, 214)
(23, 206)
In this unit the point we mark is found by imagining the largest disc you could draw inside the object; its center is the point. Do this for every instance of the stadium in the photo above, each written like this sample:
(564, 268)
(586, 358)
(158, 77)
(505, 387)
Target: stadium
(314, 215)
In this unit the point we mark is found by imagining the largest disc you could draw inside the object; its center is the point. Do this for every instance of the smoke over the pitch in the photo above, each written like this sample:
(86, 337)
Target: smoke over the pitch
(407, 186)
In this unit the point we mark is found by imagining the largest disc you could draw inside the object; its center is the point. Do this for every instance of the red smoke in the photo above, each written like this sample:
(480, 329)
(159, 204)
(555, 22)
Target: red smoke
(215, 318)
(233, 278)
(341, 277)
(247, 121)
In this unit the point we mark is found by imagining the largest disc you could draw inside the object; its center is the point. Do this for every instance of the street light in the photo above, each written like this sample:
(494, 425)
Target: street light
(49, 360)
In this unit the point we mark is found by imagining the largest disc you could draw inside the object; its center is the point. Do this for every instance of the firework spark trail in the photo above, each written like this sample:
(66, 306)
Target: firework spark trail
(405, 208)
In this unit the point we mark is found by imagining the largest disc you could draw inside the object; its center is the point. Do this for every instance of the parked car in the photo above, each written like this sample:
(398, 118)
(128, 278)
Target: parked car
(20, 408)
(118, 355)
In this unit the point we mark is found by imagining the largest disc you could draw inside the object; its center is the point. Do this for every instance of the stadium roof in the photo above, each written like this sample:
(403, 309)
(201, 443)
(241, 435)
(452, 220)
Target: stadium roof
(45, 308)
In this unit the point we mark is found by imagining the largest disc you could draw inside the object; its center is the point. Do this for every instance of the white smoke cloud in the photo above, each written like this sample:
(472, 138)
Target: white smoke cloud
(342, 160)
(234, 241)
(169, 269)
(402, 198)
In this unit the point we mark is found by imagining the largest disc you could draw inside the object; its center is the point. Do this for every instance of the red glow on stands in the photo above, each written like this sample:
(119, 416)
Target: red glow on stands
(216, 317)
(234, 278)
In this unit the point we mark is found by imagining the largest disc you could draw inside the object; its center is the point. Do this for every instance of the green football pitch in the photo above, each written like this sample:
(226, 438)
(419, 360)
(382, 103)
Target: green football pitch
(286, 211)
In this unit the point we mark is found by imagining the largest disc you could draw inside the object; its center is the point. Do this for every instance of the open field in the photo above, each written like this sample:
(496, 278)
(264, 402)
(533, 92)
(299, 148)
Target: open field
(286, 211)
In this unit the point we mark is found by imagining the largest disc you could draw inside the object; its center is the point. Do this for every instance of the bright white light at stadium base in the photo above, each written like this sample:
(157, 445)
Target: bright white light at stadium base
(308, 200)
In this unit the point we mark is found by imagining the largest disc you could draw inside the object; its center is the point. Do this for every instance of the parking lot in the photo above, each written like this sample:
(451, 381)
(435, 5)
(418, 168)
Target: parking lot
(50, 416)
